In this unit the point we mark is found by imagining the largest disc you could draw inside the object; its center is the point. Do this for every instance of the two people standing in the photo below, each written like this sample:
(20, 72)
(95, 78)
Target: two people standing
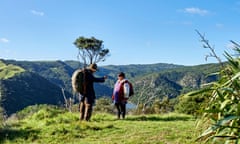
(122, 91)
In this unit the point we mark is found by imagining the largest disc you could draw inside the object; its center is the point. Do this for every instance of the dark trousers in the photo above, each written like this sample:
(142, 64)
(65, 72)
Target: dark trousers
(121, 109)
(85, 110)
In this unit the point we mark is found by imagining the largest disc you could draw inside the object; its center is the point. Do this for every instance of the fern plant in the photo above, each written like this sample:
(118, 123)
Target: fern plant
(222, 110)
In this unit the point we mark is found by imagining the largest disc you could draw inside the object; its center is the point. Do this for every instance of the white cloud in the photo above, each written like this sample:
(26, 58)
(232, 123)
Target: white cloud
(37, 13)
(4, 40)
(194, 10)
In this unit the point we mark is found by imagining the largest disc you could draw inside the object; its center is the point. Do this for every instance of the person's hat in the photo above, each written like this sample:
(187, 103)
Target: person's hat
(93, 67)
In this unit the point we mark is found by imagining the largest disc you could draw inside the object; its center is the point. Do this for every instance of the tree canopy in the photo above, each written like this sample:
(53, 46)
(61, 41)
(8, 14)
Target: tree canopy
(91, 50)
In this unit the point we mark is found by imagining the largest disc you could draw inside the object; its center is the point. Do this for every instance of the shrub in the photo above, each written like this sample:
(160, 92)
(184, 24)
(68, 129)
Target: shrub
(104, 104)
(190, 104)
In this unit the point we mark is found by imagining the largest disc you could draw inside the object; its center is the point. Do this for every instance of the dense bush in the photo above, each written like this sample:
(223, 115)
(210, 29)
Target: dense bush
(104, 104)
(190, 105)
(162, 106)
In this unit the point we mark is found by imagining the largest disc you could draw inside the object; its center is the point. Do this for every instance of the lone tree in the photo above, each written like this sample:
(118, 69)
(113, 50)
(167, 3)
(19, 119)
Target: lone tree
(91, 50)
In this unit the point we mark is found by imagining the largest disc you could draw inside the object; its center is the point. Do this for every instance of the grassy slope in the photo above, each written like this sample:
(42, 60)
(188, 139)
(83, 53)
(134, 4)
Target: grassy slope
(59, 127)
(8, 71)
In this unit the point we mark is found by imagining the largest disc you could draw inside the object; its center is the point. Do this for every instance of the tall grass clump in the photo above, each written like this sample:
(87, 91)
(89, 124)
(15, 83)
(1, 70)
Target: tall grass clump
(221, 112)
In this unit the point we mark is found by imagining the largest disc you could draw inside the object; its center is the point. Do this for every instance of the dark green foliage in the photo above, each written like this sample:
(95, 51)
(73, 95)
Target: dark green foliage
(73, 64)
(167, 79)
(104, 105)
(174, 79)
(56, 72)
(172, 82)
(158, 106)
(190, 104)
(163, 106)
(91, 50)
(29, 89)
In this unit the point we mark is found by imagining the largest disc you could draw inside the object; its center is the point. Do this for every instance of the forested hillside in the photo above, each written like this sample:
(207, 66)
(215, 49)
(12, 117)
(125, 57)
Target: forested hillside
(60, 72)
(173, 82)
(41, 81)
(20, 88)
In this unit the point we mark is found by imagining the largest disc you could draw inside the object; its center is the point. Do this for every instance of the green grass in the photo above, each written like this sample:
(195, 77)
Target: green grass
(8, 71)
(55, 126)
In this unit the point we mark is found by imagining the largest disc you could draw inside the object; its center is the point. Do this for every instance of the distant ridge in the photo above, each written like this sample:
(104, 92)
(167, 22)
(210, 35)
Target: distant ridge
(41, 81)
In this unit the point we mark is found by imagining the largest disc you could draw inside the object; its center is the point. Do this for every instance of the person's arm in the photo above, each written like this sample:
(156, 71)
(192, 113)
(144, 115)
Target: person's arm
(102, 79)
(95, 79)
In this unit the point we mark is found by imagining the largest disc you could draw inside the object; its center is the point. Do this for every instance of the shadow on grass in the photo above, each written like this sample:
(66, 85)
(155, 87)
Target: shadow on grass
(13, 134)
(158, 118)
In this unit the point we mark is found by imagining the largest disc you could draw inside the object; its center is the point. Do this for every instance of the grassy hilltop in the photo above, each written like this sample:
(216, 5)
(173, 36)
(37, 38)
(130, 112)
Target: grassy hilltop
(47, 124)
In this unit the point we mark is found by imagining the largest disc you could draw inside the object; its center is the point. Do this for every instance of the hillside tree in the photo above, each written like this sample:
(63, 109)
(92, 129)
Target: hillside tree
(91, 50)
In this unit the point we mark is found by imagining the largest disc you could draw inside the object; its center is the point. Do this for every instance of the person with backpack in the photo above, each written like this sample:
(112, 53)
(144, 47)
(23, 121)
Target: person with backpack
(122, 91)
(86, 90)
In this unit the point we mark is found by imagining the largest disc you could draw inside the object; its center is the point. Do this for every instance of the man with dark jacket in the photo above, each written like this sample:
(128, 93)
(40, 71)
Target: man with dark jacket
(88, 97)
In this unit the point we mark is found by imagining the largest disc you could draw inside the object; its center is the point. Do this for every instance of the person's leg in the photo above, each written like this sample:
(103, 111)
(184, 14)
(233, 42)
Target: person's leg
(82, 108)
(88, 109)
(88, 112)
(117, 105)
(123, 109)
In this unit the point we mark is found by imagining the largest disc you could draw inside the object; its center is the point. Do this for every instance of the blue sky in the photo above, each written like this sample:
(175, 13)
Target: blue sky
(135, 31)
